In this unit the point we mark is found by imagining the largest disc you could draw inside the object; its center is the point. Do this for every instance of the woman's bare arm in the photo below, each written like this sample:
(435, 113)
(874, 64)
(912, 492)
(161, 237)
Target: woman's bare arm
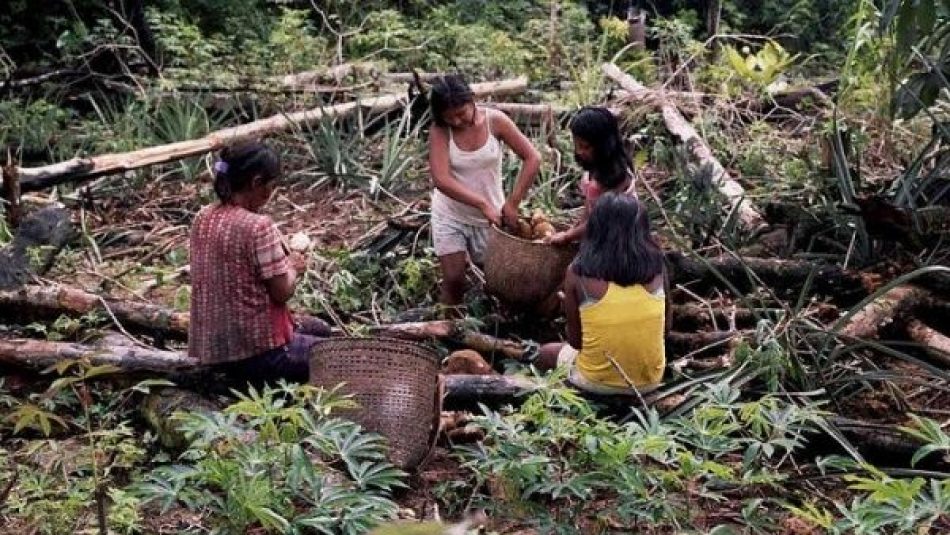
(572, 310)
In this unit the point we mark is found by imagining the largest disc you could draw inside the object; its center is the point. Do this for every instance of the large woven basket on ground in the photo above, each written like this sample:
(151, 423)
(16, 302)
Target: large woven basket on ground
(523, 273)
(396, 384)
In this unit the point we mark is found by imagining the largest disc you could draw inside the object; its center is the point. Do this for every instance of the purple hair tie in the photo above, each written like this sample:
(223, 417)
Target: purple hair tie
(220, 167)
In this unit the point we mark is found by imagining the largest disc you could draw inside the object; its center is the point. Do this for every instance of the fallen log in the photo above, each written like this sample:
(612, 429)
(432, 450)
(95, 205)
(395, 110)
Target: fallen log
(678, 343)
(410, 77)
(452, 330)
(748, 215)
(885, 444)
(782, 276)
(41, 354)
(335, 75)
(37, 178)
(935, 343)
(467, 391)
(53, 300)
(892, 305)
(695, 317)
(153, 319)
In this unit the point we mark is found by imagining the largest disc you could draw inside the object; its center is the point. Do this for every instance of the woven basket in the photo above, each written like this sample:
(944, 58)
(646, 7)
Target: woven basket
(523, 273)
(396, 384)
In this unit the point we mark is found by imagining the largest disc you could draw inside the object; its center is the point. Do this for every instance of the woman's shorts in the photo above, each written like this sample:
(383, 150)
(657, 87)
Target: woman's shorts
(450, 237)
(567, 357)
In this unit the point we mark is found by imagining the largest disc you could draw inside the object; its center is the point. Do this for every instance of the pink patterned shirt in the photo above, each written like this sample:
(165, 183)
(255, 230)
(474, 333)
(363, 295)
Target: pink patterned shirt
(592, 190)
(233, 251)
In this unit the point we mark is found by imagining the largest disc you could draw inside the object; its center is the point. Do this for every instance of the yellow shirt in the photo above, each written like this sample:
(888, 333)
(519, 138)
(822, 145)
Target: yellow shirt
(627, 324)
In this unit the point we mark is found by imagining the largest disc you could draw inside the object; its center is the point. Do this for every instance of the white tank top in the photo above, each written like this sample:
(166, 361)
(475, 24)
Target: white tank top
(480, 171)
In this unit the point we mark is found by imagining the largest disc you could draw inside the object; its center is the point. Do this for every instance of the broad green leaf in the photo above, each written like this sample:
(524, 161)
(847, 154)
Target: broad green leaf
(146, 385)
(103, 369)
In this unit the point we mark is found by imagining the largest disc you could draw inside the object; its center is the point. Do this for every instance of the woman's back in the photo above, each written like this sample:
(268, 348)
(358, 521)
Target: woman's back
(626, 325)
(232, 317)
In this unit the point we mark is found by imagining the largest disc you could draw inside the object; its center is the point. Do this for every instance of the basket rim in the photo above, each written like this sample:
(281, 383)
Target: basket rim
(384, 339)
(533, 243)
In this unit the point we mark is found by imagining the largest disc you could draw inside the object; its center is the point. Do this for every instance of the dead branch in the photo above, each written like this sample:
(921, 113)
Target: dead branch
(36, 178)
(748, 215)
(893, 305)
(935, 343)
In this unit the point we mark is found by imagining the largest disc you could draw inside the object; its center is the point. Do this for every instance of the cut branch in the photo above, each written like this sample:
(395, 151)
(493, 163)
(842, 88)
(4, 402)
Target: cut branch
(37, 178)
(748, 215)
(935, 343)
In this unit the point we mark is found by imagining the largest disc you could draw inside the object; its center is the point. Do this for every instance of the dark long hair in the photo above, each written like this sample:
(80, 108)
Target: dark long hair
(619, 246)
(239, 164)
(448, 91)
(598, 127)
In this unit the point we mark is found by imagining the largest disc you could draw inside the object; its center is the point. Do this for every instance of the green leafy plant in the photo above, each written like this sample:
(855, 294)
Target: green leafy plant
(552, 460)
(278, 460)
(762, 67)
(68, 483)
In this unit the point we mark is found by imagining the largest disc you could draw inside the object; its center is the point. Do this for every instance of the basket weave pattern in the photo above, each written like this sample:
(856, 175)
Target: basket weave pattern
(395, 383)
(524, 273)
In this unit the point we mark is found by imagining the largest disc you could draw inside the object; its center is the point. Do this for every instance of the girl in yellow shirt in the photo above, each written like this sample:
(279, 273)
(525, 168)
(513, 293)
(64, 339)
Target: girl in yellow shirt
(614, 302)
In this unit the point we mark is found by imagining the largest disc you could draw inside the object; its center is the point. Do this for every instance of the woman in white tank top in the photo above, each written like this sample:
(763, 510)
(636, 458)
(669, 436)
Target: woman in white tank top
(465, 160)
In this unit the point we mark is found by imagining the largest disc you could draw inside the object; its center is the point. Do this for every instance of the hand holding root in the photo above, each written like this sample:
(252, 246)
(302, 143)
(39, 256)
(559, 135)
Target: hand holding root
(491, 214)
(298, 261)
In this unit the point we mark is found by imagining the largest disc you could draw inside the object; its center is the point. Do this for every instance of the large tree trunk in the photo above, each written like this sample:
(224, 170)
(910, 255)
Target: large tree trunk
(37, 178)
(785, 277)
(134, 11)
(713, 16)
(748, 215)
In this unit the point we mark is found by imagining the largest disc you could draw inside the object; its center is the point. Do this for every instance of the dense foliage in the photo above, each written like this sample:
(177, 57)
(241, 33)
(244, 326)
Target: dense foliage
(734, 456)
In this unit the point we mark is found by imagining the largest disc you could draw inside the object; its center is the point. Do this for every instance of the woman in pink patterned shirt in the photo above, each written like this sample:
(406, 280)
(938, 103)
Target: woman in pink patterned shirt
(242, 275)
(599, 150)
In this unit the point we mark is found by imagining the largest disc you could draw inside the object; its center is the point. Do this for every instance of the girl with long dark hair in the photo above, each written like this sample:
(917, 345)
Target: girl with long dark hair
(614, 302)
(465, 157)
(599, 150)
